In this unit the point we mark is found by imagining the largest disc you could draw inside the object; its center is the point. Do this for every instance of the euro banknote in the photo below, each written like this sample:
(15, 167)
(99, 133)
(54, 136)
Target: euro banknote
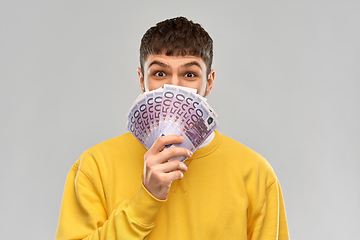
(172, 110)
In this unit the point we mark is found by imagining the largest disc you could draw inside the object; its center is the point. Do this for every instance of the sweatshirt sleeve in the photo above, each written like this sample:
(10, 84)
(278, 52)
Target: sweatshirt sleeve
(83, 214)
(271, 221)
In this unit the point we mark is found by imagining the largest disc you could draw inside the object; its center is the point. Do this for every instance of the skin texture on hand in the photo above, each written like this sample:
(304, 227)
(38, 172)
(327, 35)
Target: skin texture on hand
(159, 172)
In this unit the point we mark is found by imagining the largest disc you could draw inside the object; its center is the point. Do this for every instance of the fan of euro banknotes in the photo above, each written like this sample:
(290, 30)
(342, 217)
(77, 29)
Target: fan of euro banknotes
(172, 110)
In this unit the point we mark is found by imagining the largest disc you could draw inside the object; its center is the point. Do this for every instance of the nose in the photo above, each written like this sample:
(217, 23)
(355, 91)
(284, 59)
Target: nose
(174, 80)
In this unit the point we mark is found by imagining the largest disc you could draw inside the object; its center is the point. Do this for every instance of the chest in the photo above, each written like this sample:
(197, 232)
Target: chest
(209, 204)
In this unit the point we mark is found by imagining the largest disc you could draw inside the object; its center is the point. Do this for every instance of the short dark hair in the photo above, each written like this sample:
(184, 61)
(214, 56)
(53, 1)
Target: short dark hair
(175, 37)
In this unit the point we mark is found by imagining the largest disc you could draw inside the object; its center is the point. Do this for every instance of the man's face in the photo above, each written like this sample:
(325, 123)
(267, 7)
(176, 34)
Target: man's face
(187, 71)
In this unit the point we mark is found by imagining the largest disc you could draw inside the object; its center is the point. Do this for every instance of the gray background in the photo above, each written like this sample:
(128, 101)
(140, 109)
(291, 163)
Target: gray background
(287, 85)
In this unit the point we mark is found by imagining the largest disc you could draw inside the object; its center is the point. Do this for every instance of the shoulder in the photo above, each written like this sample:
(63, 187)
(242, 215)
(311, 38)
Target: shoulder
(124, 142)
(112, 151)
(238, 149)
(251, 162)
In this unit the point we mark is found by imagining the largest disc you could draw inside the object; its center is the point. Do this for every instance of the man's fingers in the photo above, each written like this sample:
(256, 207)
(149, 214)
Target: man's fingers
(161, 142)
(172, 166)
(159, 172)
(172, 176)
(171, 152)
(166, 155)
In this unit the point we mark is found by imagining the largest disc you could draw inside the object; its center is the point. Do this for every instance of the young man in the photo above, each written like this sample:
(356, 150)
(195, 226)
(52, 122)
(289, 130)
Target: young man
(118, 190)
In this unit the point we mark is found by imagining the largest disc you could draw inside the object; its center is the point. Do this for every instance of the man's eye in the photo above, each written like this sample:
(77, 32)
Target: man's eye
(159, 74)
(189, 75)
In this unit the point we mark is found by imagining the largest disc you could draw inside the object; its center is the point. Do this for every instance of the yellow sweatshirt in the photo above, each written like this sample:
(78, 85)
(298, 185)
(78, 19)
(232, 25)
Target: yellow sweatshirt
(228, 192)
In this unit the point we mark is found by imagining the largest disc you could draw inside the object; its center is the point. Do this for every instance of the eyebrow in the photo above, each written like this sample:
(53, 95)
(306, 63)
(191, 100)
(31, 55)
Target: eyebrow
(193, 63)
(186, 65)
(161, 64)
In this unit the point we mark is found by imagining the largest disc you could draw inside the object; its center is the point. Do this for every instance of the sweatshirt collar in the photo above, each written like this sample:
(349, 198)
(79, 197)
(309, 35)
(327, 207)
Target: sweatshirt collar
(204, 151)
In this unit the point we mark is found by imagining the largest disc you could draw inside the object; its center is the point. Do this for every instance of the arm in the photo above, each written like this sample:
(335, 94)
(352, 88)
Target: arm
(270, 222)
(83, 212)
(83, 215)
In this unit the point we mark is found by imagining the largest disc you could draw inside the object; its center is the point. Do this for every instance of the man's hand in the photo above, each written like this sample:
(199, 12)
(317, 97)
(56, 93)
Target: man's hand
(159, 173)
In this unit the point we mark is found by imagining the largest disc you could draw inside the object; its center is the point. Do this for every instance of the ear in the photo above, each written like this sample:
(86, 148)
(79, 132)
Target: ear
(141, 79)
(210, 82)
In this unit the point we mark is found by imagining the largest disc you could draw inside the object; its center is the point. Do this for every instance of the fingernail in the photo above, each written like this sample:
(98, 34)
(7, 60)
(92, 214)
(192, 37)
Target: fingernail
(190, 153)
(181, 138)
(183, 165)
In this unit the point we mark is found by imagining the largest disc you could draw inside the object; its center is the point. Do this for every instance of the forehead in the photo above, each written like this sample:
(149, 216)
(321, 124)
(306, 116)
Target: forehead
(174, 61)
